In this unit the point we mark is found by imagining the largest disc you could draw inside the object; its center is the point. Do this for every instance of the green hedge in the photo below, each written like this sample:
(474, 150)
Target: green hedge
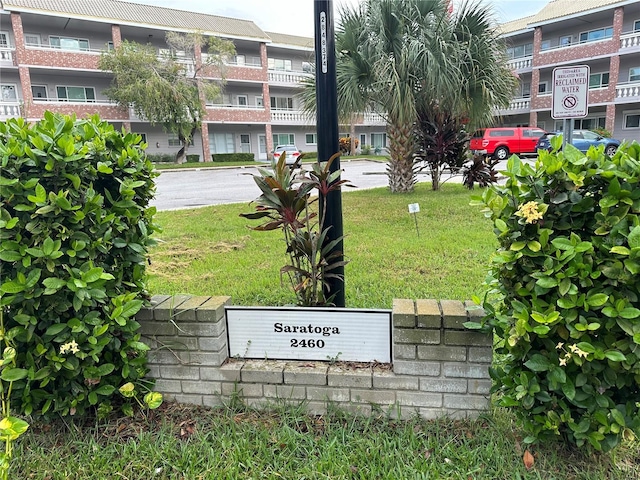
(565, 296)
(161, 157)
(233, 157)
(75, 223)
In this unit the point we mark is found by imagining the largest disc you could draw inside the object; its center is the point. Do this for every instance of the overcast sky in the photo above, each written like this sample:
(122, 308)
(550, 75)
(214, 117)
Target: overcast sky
(295, 17)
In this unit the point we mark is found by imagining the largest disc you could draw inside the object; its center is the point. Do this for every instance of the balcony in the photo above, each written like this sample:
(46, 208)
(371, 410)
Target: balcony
(6, 55)
(371, 118)
(627, 92)
(290, 117)
(522, 64)
(517, 105)
(9, 110)
(288, 79)
(630, 41)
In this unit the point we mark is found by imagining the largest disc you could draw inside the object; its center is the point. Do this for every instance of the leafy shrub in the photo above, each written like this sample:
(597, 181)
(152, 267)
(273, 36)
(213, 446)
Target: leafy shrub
(161, 157)
(233, 157)
(345, 144)
(566, 278)
(603, 132)
(195, 158)
(286, 204)
(366, 150)
(74, 232)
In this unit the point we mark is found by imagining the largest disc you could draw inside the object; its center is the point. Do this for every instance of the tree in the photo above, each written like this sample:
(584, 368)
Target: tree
(485, 83)
(395, 57)
(162, 88)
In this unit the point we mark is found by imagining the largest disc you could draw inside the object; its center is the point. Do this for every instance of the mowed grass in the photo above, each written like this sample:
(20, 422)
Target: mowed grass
(196, 443)
(211, 251)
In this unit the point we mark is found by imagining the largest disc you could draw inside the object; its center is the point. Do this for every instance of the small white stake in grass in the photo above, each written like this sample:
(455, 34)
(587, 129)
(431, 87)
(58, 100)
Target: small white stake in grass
(415, 208)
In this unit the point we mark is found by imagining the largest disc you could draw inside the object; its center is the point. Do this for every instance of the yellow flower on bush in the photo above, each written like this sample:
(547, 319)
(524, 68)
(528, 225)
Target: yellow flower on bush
(530, 212)
(71, 346)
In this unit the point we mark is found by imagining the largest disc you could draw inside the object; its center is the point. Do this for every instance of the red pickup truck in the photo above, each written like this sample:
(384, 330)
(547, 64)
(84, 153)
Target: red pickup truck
(501, 142)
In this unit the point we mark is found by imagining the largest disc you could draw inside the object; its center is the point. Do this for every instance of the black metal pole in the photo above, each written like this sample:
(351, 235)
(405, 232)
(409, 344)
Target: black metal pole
(327, 131)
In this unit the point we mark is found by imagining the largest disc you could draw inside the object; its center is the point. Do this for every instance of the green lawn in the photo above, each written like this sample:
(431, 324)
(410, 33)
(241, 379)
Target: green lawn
(211, 251)
(195, 443)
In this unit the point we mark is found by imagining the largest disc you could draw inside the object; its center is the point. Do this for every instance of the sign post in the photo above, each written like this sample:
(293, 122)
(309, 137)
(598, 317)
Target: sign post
(570, 97)
(327, 131)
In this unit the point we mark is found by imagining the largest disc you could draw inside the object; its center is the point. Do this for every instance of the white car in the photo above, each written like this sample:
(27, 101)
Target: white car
(292, 153)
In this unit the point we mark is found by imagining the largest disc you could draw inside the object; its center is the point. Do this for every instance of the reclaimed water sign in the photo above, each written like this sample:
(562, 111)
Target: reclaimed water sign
(296, 333)
(570, 92)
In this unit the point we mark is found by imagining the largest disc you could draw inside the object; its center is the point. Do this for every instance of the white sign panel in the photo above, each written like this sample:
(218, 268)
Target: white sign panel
(309, 333)
(414, 208)
(570, 92)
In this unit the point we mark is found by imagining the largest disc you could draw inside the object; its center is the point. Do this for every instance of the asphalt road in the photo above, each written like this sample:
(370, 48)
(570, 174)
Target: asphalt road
(201, 187)
(179, 189)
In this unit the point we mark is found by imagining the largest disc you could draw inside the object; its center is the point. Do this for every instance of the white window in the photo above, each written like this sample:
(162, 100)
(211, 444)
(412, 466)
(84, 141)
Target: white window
(634, 74)
(109, 46)
(9, 93)
(76, 94)
(174, 140)
(66, 43)
(245, 143)
(541, 125)
(378, 140)
(39, 92)
(525, 89)
(282, 103)
(631, 119)
(259, 101)
(599, 80)
(284, 139)
(545, 45)
(243, 101)
(279, 64)
(543, 88)
(363, 139)
(598, 34)
(221, 143)
(4, 40)
(311, 139)
(636, 26)
(589, 123)
(565, 41)
(520, 51)
(32, 39)
(239, 60)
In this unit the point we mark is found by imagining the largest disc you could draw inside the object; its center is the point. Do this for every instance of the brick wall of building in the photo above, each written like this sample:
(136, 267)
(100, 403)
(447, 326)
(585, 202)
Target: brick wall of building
(439, 368)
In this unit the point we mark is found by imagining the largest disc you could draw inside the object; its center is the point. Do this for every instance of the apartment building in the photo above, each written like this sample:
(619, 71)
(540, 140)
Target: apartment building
(49, 51)
(603, 34)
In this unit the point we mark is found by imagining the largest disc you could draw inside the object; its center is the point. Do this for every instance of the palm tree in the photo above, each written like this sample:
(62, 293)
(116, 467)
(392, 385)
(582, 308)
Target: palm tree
(395, 57)
(485, 83)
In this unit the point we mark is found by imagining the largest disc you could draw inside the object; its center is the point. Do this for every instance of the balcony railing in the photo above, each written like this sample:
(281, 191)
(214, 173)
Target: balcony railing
(288, 78)
(6, 54)
(292, 117)
(518, 104)
(236, 107)
(90, 51)
(630, 40)
(523, 63)
(9, 110)
(627, 90)
(371, 118)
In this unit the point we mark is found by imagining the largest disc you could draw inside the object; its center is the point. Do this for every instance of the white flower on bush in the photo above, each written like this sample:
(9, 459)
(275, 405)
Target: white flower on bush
(71, 346)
